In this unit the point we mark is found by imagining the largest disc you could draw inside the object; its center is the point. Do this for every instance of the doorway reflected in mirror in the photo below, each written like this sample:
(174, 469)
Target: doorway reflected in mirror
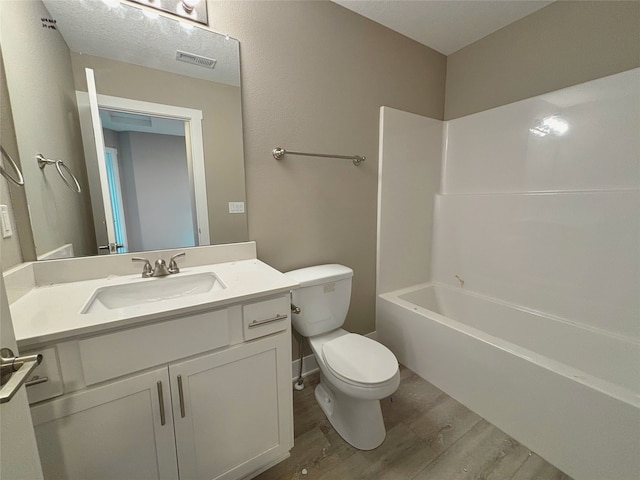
(148, 182)
(153, 197)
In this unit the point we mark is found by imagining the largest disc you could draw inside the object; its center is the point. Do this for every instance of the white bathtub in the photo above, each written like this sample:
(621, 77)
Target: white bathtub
(569, 393)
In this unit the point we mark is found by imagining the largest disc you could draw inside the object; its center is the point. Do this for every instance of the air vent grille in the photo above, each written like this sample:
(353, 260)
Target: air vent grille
(194, 59)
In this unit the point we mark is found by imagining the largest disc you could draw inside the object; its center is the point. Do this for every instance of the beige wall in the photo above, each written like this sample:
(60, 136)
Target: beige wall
(222, 128)
(565, 43)
(314, 76)
(10, 251)
(410, 167)
(39, 80)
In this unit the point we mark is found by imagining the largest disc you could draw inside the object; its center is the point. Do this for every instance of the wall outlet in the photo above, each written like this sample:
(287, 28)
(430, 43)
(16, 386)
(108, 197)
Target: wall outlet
(236, 207)
(6, 222)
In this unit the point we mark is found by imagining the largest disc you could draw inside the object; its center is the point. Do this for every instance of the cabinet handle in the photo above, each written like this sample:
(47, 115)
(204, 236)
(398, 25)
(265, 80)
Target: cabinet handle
(163, 420)
(257, 323)
(36, 381)
(181, 395)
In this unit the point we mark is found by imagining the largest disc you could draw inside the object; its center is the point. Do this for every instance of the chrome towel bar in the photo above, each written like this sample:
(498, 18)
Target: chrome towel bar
(279, 152)
(43, 162)
(18, 181)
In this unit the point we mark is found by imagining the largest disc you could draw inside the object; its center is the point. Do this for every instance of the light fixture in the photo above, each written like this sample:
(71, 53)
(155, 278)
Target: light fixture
(195, 10)
(189, 5)
(551, 125)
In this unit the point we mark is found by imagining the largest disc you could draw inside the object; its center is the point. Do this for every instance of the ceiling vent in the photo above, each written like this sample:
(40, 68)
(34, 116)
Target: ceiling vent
(194, 59)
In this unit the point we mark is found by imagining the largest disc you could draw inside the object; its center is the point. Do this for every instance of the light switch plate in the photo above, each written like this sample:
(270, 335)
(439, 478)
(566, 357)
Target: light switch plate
(236, 207)
(6, 222)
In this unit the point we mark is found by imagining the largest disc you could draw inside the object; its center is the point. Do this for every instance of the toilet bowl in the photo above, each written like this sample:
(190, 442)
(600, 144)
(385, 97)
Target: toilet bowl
(356, 372)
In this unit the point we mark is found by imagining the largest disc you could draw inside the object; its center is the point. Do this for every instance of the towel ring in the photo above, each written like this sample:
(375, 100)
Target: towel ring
(43, 162)
(20, 180)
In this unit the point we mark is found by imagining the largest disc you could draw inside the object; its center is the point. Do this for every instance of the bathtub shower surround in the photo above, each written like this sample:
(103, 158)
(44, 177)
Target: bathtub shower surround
(530, 315)
(410, 158)
(550, 223)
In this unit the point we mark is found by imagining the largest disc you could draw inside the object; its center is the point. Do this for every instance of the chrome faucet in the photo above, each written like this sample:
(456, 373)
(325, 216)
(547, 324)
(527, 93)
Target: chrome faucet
(161, 268)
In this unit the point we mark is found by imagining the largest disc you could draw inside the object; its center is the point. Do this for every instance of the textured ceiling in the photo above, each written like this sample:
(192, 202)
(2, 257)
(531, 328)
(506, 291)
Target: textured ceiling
(444, 25)
(124, 33)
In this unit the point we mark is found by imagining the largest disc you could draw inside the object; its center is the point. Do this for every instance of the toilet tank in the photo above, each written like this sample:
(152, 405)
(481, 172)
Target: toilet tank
(323, 297)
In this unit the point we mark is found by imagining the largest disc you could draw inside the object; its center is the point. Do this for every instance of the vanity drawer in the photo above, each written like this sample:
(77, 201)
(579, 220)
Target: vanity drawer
(266, 317)
(46, 380)
(127, 351)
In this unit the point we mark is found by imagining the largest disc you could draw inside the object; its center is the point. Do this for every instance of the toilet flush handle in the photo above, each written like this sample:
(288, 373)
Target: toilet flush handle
(295, 309)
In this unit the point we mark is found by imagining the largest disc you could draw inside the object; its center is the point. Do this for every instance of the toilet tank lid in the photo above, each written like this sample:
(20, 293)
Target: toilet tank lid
(319, 274)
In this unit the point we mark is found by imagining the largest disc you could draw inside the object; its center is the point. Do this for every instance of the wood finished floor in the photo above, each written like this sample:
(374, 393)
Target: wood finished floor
(430, 436)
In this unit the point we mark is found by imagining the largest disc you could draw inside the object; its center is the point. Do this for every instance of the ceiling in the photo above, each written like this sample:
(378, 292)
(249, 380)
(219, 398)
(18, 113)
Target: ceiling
(114, 31)
(444, 25)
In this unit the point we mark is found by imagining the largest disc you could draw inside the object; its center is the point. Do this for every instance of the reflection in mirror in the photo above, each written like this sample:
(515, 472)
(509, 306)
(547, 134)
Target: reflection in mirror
(160, 197)
(46, 48)
(151, 149)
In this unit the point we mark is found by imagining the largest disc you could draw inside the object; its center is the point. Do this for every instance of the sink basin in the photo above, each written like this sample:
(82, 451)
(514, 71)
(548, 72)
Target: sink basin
(152, 290)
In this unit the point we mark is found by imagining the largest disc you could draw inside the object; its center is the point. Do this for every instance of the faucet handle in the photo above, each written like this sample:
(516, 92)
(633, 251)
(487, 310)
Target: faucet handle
(147, 270)
(173, 266)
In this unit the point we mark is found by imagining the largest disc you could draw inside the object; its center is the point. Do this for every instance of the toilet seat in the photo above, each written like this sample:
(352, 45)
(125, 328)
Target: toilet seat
(359, 360)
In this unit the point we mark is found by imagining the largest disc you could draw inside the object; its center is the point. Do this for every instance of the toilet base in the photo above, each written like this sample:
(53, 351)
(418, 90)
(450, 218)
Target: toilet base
(359, 422)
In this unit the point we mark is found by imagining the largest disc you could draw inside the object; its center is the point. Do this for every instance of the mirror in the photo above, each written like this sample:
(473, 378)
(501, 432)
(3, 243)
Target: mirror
(143, 58)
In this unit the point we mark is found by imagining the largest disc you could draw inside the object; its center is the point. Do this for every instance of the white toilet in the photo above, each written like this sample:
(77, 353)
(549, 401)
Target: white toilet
(355, 371)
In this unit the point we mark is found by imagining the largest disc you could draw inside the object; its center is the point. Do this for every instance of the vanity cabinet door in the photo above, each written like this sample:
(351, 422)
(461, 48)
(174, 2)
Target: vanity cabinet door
(232, 409)
(115, 431)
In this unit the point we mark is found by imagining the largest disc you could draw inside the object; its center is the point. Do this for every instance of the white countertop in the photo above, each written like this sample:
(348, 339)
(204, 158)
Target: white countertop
(53, 313)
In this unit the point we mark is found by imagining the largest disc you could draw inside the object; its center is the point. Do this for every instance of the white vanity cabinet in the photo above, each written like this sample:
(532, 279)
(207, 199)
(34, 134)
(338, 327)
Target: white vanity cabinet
(112, 431)
(221, 414)
(234, 415)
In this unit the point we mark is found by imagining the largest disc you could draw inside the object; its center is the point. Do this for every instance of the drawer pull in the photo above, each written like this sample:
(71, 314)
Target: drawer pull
(257, 323)
(181, 395)
(163, 419)
(36, 380)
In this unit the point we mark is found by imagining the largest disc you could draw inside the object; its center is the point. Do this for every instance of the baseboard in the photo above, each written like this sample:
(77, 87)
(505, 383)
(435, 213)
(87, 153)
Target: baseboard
(309, 364)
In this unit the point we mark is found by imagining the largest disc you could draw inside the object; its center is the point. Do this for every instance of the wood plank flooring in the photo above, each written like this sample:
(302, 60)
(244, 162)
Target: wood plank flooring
(430, 436)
